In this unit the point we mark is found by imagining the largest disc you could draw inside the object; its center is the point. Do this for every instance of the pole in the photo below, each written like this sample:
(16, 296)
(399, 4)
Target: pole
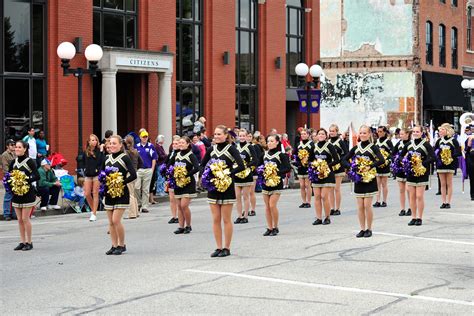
(308, 104)
(79, 119)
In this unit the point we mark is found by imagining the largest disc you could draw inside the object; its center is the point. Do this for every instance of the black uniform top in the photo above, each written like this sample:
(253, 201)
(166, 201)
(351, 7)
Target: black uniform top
(469, 150)
(386, 145)
(340, 145)
(453, 145)
(326, 151)
(309, 146)
(248, 154)
(280, 158)
(226, 152)
(170, 157)
(396, 150)
(365, 148)
(92, 164)
(187, 157)
(423, 147)
(124, 164)
(27, 165)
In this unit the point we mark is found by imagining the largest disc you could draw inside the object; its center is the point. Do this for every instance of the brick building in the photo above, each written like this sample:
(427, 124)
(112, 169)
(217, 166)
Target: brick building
(383, 67)
(166, 62)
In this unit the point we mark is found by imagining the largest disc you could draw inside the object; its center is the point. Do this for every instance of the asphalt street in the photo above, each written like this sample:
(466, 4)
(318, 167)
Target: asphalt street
(306, 269)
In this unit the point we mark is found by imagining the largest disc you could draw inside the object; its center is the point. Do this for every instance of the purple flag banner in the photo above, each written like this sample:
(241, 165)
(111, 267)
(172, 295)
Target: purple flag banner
(303, 100)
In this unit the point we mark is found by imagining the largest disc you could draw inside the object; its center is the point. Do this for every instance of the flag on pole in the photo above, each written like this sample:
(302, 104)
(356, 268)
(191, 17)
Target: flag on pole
(351, 141)
(432, 140)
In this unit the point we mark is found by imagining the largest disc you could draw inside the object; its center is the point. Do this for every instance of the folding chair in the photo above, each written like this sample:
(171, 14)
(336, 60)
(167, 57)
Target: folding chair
(68, 197)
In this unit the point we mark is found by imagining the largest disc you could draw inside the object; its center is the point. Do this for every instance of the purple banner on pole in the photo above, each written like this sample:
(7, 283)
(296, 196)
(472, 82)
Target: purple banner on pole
(315, 100)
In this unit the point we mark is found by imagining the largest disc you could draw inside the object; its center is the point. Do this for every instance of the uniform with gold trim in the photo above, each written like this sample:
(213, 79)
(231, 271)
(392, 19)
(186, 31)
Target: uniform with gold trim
(192, 167)
(423, 147)
(342, 150)
(327, 152)
(124, 165)
(27, 166)
(282, 162)
(305, 147)
(386, 146)
(447, 151)
(249, 156)
(397, 149)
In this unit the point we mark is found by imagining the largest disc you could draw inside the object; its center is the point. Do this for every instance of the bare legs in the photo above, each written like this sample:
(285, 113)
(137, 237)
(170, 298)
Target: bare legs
(253, 198)
(417, 201)
(184, 217)
(446, 180)
(222, 213)
(321, 199)
(382, 186)
(116, 229)
(91, 191)
(271, 210)
(305, 190)
(243, 193)
(335, 195)
(24, 224)
(365, 213)
(173, 205)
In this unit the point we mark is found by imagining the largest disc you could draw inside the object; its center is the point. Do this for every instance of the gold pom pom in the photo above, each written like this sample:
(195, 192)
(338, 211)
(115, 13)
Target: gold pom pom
(222, 179)
(446, 157)
(270, 174)
(114, 183)
(386, 157)
(417, 165)
(365, 169)
(243, 174)
(303, 155)
(19, 182)
(322, 167)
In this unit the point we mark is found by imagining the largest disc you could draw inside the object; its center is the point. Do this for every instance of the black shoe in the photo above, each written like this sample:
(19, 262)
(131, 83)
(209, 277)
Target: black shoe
(447, 205)
(274, 232)
(20, 246)
(332, 212)
(216, 253)
(268, 232)
(308, 205)
(124, 248)
(317, 222)
(277, 230)
(303, 205)
(238, 220)
(383, 204)
(118, 251)
(244, 220)
(187, 229)
(438, 193)
(368, 233)
(30, 246)
(172, 220)
(361, 234)
(252, 213)
(110, 251)
(376, 204)
(326, 221)
(402, 213)
(412, 222)
(8, 218)
(408, 212)
(443, 205)
(337, 212)
(144, 210)
(418, 222)
(180, 230)
(224, 253)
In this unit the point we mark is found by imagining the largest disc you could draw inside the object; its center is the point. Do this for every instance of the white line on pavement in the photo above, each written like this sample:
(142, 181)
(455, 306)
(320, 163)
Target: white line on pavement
(427, 238)
(16, 236)
(464, 214)
(335, 287)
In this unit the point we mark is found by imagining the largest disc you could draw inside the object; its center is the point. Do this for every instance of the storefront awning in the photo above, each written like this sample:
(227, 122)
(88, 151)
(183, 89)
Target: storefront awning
(443, 92)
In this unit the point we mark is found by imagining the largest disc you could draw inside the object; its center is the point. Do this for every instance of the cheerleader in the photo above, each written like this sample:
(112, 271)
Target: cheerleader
(365, 157)
(301, 156)
(24, 202)
(185, 187)
(244, 179)
(221, 202)
(323, 157)
(447, 152)
(397, 169)
(383, 170)
(342, 150)
(173, 206)
(116, 203)
(272, 187)
(259, 153)
(417, 172)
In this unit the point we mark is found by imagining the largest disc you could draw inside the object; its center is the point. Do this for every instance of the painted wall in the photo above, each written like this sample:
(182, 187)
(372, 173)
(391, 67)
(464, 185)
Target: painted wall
(366, 27)
(368, 98)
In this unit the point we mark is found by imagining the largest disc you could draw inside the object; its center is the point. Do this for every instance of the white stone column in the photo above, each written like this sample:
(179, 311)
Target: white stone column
(109, 100)
(165, 109)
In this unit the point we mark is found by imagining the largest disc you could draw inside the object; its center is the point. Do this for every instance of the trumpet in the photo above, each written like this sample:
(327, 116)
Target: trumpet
(465, 120)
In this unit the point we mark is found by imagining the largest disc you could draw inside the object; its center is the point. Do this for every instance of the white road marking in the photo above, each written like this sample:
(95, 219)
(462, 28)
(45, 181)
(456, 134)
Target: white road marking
(464, 214)
(335, 287)
(427, 238)
(16, 236)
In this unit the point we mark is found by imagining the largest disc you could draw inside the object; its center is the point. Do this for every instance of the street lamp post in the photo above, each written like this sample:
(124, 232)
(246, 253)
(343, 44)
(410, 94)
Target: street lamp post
(66, 51)
(468, 87)
(315, 72)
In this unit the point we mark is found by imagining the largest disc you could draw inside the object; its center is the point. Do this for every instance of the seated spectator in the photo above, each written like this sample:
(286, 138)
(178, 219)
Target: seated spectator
(48, 187)
(79, 194)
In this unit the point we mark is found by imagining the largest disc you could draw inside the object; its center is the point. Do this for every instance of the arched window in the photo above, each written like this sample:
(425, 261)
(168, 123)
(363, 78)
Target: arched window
(429, 43)
(294, 39)
(454, 48)
(442, 45)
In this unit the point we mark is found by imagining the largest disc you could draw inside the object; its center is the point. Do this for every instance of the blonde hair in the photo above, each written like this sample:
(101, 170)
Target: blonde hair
(369, 130)
(334, 126)
(448, 128)
(120, 140)
(80, 182)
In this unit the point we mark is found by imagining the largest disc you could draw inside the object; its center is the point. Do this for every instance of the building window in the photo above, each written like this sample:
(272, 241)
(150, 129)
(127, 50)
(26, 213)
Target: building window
(115, 23)
(189, 105)
(246, 64)
(454, 3)
(22, 67)
(454, 48)
(294, 39)
(442, 1)
(469, 28)
(442, 45)
(429, 43)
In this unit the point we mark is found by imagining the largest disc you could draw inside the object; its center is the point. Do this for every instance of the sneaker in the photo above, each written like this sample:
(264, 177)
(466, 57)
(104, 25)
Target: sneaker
(337, 212)
(93, 218)
(144, 210)
(408, 212)
(238, 220)
(326, 221)
(244, 220)
(448, 205)
(171, 221)
(30, 246)
(303, 205)
(383, 204)
(78, 209)
(361, 234)
(308, 205)
(19, 247)
(274, 232)
(368, 233)
(412, 222)
(252, 213)
(402, 213)
(443, 205)
(438, 193)
(124, 248)
(118, 251)
(55, 207)
(216, 253)
(180, 230)
(376, 204)
(332, 212)
(224, 253)
(187, 229)
(268, 232)
(418, 222)
(317, 222)
(110, 251)
(277, 230)
(43, 209)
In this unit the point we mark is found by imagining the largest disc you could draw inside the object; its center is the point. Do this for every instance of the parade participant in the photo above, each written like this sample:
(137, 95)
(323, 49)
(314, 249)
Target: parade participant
(137, 162)
(447, 151)
(174, 149)
(272, 169)
(185, 165)
(417, 157)
(383, 170)
(259, 154)
(22, 173)
(322, 159)
(469, 152)
(93, 159)
(362, 161)
(339, 172)
(218, 172)
(301, 157)
(397, 169)
(244, 179)
(118, 172)
(7, 157)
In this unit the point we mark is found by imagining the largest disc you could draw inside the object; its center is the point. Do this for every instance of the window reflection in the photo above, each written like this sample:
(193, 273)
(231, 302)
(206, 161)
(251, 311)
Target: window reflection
(115, 23)
(17, 35)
